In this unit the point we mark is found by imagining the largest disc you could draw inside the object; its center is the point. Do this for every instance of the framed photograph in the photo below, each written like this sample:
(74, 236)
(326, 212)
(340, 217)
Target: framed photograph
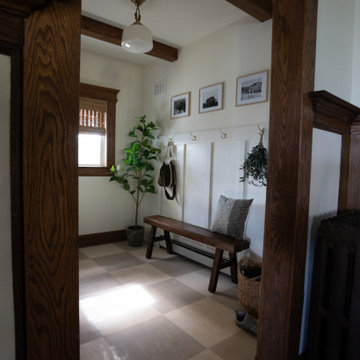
(211, 98)
(252, 88)
(180, 106)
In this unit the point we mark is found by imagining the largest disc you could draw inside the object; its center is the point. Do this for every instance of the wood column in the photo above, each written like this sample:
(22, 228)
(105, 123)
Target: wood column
(50, 180)
(287, 199)
(354, 171)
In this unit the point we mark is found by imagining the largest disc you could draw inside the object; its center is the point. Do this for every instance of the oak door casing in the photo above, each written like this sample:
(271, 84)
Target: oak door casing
(50, 180)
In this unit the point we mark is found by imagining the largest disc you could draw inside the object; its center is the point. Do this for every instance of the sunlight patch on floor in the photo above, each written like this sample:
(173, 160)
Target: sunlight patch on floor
(116, 303)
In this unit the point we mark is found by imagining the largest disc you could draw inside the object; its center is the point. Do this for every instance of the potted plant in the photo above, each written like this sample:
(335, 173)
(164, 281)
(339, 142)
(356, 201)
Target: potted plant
(137, 176)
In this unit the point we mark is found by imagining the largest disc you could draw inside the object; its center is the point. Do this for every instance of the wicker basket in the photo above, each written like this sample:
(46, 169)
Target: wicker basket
(249, 293)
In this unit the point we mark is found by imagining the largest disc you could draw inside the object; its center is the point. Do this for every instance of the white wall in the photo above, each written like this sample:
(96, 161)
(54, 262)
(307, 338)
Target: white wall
(7, 326)
(239, 49)
(105, 206)
(335, 47)
(356, 57)
(324, 191)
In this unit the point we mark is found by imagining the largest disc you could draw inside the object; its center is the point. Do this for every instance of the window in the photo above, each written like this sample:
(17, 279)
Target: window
(96, 129)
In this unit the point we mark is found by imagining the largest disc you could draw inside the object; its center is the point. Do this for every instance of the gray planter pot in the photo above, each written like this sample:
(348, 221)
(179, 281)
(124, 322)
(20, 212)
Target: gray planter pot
(135, 235)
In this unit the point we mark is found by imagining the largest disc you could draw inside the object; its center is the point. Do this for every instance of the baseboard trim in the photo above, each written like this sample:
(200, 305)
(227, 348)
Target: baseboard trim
(101, 238)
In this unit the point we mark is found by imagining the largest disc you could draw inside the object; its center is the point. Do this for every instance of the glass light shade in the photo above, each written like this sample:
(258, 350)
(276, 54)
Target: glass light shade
(137, 38)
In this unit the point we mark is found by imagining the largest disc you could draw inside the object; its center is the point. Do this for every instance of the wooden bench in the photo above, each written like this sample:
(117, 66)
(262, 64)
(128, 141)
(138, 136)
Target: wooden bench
(220, 242)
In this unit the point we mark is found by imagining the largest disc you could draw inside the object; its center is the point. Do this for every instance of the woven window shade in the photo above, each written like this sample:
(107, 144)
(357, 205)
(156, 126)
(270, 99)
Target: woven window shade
(92, 116)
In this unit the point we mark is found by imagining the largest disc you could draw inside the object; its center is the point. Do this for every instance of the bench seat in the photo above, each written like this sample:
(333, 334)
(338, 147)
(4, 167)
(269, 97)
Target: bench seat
(219, 241)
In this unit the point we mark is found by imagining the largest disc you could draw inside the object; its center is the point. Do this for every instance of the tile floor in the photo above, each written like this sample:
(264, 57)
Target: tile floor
(133, 308)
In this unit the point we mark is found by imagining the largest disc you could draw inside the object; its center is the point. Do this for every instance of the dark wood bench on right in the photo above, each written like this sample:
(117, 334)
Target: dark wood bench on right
(219, 241)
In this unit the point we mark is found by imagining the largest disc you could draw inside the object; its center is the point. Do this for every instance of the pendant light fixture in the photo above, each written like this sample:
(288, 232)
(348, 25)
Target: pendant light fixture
(136, 37)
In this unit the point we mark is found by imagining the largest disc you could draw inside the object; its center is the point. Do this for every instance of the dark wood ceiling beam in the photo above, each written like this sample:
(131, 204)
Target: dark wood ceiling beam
(112, 34)
(21, 8)
(259, 9)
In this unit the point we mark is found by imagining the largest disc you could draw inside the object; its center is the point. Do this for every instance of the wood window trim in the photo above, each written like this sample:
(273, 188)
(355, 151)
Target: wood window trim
(110, 96)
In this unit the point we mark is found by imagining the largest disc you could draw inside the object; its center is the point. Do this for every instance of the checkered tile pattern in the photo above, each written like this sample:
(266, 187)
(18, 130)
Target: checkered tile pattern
(155, 309)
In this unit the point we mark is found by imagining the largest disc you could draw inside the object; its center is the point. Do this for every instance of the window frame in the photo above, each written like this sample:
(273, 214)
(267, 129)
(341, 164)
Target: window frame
(110, 96)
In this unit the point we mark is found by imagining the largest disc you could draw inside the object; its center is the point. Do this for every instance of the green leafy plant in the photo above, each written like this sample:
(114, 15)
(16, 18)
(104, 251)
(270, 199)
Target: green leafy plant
(255, 165)
(137, 178)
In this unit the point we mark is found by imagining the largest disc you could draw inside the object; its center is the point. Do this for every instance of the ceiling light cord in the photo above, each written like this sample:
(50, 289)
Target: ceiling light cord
(137, 14)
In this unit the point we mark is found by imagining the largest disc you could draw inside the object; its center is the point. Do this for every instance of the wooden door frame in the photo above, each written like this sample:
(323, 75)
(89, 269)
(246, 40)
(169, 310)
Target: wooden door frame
(51, 78)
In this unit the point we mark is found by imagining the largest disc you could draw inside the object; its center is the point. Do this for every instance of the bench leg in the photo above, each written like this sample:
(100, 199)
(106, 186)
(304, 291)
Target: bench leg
(168, 242)
(151, 241)
(215, 270)
(233, 267)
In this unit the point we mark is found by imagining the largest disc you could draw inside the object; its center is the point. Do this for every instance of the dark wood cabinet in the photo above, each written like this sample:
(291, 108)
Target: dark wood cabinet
(334, 332)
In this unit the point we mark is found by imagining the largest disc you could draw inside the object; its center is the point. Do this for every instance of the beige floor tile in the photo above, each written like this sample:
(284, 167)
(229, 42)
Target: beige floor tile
(171, 294)
(156, 339)
(157, 254)
(97, 349)
(89, 268)
(82, 256)
(126, 247)
(228, 297)
(101, 250)
(144, 274)
(115, 324)
(208, 321)
(241, 346)
(206, 355)
(118, 308)
(199, 280)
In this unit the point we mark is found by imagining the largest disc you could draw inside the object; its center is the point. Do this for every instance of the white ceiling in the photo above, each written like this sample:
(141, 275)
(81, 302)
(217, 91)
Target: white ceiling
(173, 22)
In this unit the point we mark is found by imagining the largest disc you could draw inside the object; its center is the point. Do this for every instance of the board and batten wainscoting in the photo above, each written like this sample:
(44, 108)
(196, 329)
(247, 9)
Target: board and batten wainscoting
(207, 168)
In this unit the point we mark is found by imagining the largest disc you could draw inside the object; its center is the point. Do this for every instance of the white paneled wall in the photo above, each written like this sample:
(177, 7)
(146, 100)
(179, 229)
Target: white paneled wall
(207, 168)
(197, 181)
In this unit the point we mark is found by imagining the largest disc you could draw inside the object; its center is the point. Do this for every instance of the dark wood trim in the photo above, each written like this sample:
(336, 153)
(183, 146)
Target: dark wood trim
(17, 230)
(344, 170)
(11, 28)
(333, 108)
(50, 180)
(21, 8)
(259, 9)
(353, 195)
(110, 96)
(112, 34)
(287, 196)
(101, 238)
(339, 116)
(17, 243)
(98, 92)
(94, 171)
